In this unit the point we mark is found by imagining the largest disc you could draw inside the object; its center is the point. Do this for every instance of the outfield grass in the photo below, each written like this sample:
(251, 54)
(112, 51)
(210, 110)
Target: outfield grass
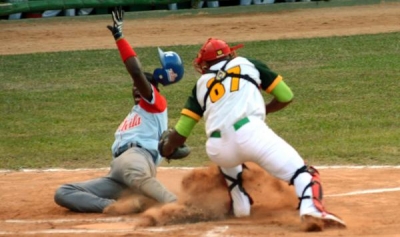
(61, 109)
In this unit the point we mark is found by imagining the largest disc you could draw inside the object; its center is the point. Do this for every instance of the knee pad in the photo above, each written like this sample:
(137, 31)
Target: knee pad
(315, 185)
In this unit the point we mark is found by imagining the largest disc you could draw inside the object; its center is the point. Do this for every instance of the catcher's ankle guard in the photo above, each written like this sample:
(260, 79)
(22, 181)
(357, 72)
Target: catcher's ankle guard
(238, 182)
(315, 184)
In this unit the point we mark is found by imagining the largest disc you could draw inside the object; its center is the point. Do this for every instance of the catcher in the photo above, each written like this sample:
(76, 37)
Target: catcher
(228, 96)
(135, 149)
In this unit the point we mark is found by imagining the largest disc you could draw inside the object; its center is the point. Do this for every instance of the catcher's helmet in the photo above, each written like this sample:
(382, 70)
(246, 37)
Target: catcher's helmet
(172, 68)
(211, 50)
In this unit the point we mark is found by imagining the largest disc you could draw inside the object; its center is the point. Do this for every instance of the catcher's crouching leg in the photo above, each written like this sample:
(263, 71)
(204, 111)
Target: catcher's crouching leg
(241, 201)
(311, 206)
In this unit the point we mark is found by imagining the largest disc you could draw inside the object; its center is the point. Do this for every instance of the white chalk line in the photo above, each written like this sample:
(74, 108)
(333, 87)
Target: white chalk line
(381, 190)
(91, 231)
(216, 231)
(63, 231)
(97, 220)
(86, 231)
(78, 170)
(358, 167)
(190, 168)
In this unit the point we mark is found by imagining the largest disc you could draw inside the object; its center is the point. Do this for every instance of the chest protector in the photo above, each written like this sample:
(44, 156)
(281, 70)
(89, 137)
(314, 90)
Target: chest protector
(220, 76)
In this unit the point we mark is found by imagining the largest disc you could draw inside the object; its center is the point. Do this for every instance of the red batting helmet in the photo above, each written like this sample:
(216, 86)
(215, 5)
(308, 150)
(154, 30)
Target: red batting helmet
(211, 50)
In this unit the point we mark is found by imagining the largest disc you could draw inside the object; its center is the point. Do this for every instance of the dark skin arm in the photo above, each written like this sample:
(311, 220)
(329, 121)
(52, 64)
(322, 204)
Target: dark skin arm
(134, 68)
(132, 63)
(274, 105)
(174, 141)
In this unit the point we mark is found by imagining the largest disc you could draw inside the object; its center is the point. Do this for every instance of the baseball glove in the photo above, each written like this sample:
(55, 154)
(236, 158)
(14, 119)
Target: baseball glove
(179, 153)
(116, 28)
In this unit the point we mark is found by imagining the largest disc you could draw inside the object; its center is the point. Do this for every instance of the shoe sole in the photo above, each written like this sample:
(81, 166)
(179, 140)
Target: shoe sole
(314, 224)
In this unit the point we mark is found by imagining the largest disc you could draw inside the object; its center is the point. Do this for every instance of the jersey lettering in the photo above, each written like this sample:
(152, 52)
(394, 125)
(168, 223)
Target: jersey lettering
(130, 123)
(235, 80)
(218, 90)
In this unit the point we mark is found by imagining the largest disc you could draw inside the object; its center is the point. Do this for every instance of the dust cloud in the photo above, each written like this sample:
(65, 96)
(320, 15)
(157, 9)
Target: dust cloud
(204, 197)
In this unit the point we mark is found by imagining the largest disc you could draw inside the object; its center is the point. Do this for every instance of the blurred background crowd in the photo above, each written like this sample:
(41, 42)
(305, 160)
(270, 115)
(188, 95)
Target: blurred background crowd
(194, 4)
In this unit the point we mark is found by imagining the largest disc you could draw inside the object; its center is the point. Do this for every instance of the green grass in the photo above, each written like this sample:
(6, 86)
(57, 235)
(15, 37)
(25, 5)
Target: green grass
(61, 109)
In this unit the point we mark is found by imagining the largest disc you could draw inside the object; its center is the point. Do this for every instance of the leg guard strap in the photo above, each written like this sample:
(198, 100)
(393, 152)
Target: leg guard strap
(299, 171)
(238, 182)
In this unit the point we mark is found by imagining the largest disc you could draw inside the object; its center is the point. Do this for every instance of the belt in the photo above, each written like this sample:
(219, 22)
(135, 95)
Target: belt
(236, 126)
(125, 147)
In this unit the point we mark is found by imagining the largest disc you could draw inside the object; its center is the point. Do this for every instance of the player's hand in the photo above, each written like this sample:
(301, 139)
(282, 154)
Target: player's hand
(116, 28)
(168, 152)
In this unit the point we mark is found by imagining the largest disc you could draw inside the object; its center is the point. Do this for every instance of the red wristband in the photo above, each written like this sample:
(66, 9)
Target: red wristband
(125, 50)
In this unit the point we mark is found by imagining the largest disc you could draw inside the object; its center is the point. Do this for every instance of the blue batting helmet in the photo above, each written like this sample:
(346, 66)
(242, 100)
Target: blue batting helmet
(172, 68)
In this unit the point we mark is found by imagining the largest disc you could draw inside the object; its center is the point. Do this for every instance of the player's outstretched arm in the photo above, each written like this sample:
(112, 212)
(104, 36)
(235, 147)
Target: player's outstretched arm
(128, 55)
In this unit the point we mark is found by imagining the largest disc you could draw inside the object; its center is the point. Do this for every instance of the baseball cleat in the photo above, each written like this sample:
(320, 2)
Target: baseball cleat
(317, 221)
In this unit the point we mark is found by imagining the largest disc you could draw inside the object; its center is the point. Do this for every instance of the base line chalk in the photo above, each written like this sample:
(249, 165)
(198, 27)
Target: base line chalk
(97, 220)
(368, 191)
(190, 168)
(94, 231)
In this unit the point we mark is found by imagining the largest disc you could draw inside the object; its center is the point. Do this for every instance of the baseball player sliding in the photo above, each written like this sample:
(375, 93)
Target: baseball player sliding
(228, 96)
(135, 148)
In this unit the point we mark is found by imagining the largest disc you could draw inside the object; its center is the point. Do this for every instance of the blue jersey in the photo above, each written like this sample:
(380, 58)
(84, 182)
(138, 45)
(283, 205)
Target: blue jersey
(144, 125)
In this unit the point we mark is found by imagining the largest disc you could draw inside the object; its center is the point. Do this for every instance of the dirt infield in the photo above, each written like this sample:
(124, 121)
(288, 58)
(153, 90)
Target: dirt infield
(366, 198)
(45, 36)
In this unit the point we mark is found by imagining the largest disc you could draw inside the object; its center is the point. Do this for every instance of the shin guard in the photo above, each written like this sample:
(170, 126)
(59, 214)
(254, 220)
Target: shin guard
(315, 185)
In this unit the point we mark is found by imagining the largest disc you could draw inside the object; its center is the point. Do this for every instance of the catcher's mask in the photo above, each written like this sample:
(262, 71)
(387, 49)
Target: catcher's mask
(213, 49)
(172, 68)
